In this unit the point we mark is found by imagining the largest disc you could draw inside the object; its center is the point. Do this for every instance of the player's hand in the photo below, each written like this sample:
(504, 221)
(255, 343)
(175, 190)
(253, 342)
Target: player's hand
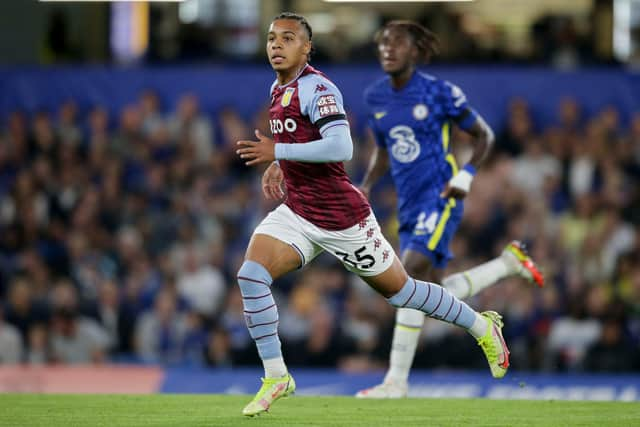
(458, 187)
(272, 182)
(256, 152)
(454, 192)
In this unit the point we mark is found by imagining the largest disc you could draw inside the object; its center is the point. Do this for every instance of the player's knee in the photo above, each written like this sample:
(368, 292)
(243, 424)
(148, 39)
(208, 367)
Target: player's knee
(402, 297)
(415, 270)
(418, 266)
(252, 276)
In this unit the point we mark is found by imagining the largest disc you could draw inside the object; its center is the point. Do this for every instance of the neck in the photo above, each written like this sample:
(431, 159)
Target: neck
(285, 76)
(401, 78)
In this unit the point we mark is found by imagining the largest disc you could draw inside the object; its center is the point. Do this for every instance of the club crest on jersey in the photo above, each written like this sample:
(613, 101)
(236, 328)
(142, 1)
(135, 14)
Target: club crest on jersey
(420, 112)
(286, 98)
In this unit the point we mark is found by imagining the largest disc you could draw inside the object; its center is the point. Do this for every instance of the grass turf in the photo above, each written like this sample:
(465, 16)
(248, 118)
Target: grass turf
(221, 410)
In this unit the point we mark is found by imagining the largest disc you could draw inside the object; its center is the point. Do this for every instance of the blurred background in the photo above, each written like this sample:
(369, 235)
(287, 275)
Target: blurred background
(125, 213)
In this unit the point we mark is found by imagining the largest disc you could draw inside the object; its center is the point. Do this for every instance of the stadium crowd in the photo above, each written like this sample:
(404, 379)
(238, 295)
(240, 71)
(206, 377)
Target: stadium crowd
(120, 238)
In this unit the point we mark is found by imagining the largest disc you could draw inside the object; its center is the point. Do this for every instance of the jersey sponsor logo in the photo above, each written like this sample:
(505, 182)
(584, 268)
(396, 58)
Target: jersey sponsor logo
(327, 105)
(286, 98)
(278, 126)
(405, 149)
(320, 88)
(420, 112)
(379, 114)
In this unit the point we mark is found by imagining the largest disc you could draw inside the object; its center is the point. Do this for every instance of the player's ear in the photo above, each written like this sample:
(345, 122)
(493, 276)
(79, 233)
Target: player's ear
(307, 47)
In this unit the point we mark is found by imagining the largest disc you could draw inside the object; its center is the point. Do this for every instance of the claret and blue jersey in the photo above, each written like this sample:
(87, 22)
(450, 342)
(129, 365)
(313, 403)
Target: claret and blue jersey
(414, 125)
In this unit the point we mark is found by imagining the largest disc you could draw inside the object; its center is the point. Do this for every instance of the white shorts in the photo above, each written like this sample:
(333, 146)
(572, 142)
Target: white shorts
(362, 248)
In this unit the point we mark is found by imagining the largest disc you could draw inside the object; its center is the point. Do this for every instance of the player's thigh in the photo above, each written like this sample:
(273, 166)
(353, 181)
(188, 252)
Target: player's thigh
(362, 249)
(365, 251)
(279, 243)
(276, 256)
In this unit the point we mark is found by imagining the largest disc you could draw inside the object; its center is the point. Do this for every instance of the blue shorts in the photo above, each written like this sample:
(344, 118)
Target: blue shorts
(432, 229)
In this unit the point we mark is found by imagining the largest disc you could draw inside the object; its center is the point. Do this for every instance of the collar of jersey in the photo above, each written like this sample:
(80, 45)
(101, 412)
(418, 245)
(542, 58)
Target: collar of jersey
(410, 83)
(296, 77)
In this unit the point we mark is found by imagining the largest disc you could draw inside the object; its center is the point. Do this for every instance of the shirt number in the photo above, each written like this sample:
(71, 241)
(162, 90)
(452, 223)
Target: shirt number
(361, 261)
(426, 223)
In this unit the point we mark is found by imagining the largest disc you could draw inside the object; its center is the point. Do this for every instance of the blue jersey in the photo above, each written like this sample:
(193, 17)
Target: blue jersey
(413, 124)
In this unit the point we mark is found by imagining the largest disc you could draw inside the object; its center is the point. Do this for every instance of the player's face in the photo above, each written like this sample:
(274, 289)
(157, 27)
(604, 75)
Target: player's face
(287, 45)
(396, 51)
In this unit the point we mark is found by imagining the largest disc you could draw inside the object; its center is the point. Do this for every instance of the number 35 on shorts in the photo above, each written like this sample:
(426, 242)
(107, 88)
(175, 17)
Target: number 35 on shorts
(359, 259)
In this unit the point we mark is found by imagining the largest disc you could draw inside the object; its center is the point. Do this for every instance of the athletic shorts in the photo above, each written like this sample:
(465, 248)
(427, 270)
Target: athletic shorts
(432, 230)
(362, 248)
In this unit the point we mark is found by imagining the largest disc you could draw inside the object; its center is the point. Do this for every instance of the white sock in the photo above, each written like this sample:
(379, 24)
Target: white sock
(405, 341)
(479, 327)
(470, 282)
(274, 368)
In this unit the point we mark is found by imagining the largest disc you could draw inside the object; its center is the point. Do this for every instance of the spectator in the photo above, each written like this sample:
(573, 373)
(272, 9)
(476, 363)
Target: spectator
(67, 130)
(149, 106)
(74, 338)
(22, 310)
(113, 317)
(612, 352)
(534, 167)
(38, 350)
(570, 337)
(10, 343)
(199, 283)
(190, 125)
(160, 332)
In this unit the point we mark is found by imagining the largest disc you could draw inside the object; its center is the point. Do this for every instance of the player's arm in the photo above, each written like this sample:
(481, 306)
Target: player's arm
(378, 166)
(334, 146)
(321, 101)
(482, 139)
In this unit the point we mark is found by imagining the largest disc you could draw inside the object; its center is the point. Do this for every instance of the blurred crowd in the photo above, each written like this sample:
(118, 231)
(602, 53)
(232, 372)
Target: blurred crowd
(120, 237)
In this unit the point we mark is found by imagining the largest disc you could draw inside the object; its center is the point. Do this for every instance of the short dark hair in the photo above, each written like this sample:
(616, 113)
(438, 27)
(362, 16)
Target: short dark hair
(303, 21)
(296, 17)
(425, 41)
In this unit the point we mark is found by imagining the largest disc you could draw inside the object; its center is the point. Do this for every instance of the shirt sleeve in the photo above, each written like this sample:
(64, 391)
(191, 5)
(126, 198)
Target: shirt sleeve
(458, 109)
(335, 146)
(321, 100)
(372, 121)
(377, 135)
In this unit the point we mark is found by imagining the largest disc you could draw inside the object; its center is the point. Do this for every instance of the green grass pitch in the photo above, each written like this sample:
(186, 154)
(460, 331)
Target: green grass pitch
(26, 410)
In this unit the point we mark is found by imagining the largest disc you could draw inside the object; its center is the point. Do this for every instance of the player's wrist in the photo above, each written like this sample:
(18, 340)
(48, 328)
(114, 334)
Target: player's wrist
(280, 152)
(462, 180)
(470, 168)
